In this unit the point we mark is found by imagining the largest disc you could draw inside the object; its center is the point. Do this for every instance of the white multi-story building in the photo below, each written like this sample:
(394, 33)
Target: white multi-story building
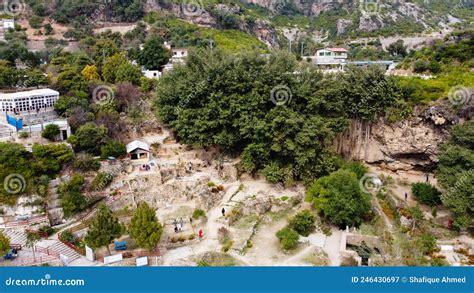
(28, 101)
(331, 58)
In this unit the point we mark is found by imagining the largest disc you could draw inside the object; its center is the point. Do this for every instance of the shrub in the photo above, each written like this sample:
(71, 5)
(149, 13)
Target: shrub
(211, 184)
(24, 134)
(427, 243)
(35, 21)
(356, 167)
(426, 193)
(288, 238)
(303, 223)
(227, 245)
(274, 173)
(198, 213)
(46, 229)
(67, 236)
(101, 181)
(50, 131)
(86, 162)
(421, 66)
(114, 149)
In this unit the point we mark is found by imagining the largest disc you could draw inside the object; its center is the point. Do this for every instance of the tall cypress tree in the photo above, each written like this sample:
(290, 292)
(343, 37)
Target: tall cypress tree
(104, 228)
(144, 227)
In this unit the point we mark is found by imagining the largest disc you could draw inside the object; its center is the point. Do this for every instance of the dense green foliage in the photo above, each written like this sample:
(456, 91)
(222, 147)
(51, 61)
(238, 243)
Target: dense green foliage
(4, 244)
(70, 194)
(104, 228)
(51, 158)
(288, 238)
(154, 55)
(24, 169)
(198, 213)
(455, 174)
(282, 117)
(303, 223)
(184, 34)
(50, 132)
(426, 193)
(339, 198)
(85, 162)
(114, 149)
(101, 181)
(144, 227)
(89, 138)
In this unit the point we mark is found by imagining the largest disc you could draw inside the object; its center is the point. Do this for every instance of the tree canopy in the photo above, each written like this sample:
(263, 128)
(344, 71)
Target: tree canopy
(339, 198)
(455, 174)
(281, 116)
(144, 227)
(104, 228)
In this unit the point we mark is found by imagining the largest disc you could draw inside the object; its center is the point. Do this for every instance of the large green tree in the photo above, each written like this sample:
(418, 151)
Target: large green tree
(89, 138)
(339, 198)
(282, 116)
(144, 227)
(72, 200)
(154, 54)
(455, 174)
(104, 228)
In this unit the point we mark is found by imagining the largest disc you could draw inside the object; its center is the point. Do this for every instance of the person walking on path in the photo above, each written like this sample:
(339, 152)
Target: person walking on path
(406, 196)
(223, 212)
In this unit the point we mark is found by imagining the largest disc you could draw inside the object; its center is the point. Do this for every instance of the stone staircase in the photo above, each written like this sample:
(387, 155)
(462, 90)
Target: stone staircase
(57, 247)
(16, 236)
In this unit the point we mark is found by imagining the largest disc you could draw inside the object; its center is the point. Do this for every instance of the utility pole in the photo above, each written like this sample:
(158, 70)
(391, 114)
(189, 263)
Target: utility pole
(290, 44)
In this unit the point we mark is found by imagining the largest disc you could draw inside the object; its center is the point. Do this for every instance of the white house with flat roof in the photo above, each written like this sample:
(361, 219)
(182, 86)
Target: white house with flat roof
(28, 101)
(331, 58)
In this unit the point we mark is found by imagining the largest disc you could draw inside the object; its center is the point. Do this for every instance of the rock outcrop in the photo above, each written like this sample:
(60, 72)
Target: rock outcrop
(406, 145)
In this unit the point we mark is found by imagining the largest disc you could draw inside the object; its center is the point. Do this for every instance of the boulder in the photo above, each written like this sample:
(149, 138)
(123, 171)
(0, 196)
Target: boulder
(257, 204)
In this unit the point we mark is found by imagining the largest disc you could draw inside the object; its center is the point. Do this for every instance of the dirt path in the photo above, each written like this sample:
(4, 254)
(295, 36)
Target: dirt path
(210, 231)
(332, 245)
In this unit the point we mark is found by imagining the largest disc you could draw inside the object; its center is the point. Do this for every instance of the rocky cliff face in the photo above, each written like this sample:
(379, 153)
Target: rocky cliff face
(406, 145)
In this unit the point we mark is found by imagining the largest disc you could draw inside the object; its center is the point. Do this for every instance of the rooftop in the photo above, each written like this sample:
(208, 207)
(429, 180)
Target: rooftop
(38, 92)
(337, 49)
(136, 144)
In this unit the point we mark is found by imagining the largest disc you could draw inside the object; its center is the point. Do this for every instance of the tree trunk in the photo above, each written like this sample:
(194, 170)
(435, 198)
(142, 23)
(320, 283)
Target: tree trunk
(108, 249)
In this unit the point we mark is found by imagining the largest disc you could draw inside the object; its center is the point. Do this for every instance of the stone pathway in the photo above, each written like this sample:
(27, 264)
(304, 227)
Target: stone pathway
(332, 245)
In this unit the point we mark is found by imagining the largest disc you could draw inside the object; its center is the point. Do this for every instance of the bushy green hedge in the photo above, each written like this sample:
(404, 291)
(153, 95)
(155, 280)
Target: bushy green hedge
(426, 193)
(288, 238)
(303, 223)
